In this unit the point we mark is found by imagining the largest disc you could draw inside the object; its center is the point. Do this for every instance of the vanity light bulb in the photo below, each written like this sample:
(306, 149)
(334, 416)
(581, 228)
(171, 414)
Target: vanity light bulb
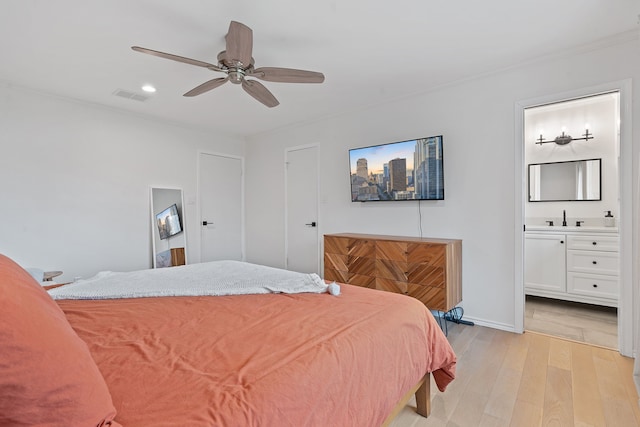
(148, 88)
(563, 129)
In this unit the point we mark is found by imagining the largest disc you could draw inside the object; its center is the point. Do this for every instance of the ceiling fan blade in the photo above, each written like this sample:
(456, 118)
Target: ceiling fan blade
(259, 92)
(207, 86)
(239, 44)
(287, 75)
(175, 58)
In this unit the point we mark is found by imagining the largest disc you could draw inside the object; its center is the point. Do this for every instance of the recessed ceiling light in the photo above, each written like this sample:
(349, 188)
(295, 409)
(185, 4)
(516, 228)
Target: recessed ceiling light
(148, 88)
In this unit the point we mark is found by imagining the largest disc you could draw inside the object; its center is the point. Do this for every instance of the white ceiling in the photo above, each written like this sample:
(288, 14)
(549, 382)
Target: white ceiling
(370, 51)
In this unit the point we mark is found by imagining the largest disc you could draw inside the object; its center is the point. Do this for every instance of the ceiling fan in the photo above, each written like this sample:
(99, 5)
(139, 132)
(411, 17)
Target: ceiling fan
(237, 63)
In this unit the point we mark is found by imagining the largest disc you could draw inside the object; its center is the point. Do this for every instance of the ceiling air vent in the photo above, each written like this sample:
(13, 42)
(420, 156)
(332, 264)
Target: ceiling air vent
(130, 95)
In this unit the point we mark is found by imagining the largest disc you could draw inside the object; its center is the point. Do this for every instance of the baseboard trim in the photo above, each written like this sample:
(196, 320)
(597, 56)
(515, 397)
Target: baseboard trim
(491, 324)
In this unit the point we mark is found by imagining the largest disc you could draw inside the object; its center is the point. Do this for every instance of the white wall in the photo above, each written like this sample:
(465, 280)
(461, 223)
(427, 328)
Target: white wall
(601, 113)
(75, 178)
(476, 118)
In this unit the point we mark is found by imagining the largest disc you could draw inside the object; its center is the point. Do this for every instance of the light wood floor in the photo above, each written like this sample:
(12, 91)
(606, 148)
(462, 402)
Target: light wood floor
(507, 379)
(588, 323)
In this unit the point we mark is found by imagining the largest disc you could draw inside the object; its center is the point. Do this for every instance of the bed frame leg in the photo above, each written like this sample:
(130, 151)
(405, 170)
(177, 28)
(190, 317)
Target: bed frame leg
(422, 391)
(423, 397)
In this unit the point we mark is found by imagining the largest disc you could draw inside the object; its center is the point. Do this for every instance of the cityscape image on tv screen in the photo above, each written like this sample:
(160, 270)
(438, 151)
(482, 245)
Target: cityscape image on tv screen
(407, 170)
(168, 222)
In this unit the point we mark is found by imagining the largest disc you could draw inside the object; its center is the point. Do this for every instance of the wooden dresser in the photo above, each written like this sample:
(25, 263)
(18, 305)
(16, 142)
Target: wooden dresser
(427, 269)
(177, 257)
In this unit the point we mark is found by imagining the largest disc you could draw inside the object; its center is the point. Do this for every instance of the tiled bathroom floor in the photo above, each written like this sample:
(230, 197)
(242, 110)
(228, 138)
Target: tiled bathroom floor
(592, 324)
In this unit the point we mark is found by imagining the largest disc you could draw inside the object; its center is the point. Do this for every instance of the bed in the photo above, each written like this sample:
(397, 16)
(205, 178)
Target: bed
(308, 358)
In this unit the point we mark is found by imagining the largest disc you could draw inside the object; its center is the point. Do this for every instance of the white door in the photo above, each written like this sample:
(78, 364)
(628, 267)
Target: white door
(302, 209)
(220, 189)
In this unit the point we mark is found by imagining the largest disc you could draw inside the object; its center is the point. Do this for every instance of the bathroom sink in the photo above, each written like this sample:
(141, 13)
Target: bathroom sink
(572, 228)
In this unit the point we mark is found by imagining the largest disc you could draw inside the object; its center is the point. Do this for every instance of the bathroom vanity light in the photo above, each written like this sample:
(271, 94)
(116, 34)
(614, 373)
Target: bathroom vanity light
(564, 139)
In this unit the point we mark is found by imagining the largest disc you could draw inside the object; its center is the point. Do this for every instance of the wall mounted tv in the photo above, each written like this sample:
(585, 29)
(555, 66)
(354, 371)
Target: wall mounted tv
(169, 222)
(406, 170)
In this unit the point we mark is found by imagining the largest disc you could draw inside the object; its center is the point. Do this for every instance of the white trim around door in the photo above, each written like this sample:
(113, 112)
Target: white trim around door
(200, 153)
(627, 230)
(287, 150)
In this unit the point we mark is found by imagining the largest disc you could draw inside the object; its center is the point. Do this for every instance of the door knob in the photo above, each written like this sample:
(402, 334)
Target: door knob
(205, 223)
(311, 224)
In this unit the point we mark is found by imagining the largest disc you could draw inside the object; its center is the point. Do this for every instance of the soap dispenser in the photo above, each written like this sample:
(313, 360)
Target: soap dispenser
(609, 221)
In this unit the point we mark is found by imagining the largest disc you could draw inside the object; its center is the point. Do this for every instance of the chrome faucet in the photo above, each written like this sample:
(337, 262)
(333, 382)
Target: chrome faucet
(564, 218)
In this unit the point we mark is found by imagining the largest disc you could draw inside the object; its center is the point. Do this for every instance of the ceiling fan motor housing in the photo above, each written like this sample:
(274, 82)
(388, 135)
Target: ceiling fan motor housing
(236, 75)
(236, 70)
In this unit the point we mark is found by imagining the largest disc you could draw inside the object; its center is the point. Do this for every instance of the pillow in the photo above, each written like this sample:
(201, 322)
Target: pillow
(47, 374)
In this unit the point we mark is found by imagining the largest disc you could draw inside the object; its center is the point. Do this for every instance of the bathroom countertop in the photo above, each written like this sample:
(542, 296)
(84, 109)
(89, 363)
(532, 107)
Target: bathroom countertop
(571, 229)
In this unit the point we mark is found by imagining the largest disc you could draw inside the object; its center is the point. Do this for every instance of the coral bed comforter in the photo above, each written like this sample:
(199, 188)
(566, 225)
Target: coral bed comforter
(261, 360)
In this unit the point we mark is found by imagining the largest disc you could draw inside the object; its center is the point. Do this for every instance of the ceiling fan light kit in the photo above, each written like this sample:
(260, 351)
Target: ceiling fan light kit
(238, 64)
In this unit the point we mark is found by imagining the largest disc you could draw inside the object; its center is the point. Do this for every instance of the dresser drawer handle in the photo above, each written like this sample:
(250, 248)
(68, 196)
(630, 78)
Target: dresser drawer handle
(595, 286)
(595, 243)
(594, 262)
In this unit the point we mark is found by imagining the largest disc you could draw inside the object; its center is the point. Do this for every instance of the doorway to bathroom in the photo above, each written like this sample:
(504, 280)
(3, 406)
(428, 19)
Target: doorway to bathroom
(571, 237)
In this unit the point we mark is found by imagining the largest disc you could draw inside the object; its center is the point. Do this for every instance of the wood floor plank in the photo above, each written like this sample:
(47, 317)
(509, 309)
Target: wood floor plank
(484, 379)
(491, 421)
(618, 413)
(625, 369)
(470, 409)
(518, 348)
(468, 405)
(617, 408)
(504, 392)
(534, 375)
(560, 354)
(502, 399)
(526, 414)
(558, 400)
(587, 404)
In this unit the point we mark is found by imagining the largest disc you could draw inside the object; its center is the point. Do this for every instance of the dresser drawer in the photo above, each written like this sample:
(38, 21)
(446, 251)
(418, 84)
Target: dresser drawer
(362, 265)
(592, 285)
(336, 245)
(362, 248)
(393, 270)
(336, 275)
(336, 261)
(396, 251)
(595, 262)
(592, 242)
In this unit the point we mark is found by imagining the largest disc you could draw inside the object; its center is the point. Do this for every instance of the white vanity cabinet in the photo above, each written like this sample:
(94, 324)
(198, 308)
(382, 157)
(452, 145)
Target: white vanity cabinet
(593, 266)
(575, 266)
(545, 263)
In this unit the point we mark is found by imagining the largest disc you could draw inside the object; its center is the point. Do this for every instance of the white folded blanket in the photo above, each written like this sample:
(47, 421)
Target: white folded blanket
(211, 278)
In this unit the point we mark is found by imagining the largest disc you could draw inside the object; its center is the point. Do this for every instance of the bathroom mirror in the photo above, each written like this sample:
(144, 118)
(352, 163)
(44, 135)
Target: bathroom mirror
(168, 236)
(576, 180)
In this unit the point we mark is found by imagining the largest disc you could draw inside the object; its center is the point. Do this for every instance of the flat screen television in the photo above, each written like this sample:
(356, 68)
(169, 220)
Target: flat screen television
(405, 170)
(169, 222)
